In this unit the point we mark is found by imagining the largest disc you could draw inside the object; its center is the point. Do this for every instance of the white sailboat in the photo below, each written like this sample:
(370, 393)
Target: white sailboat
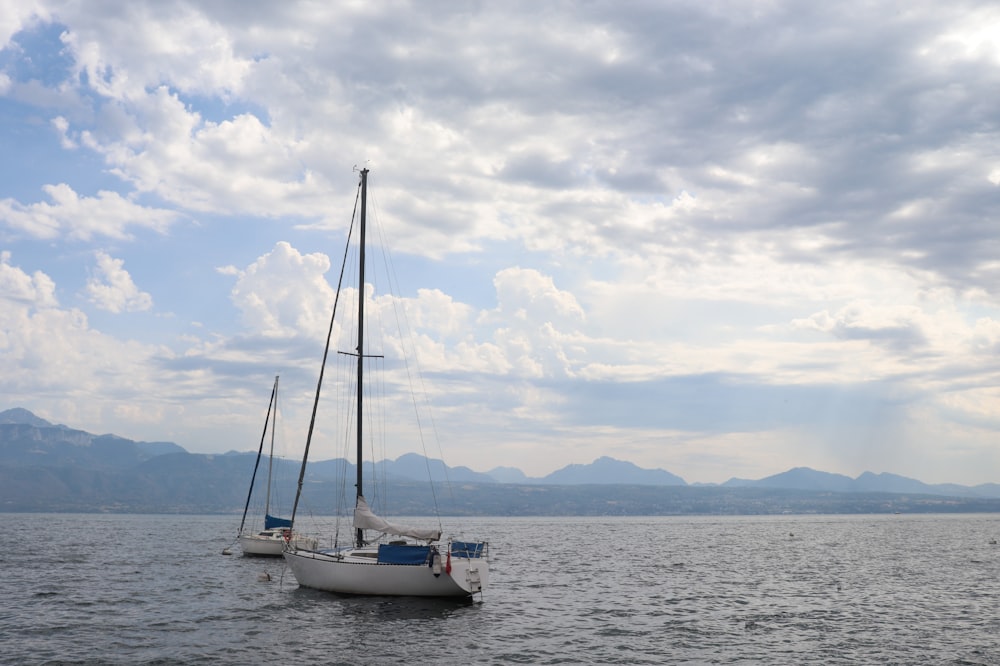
(270, 541)
(384, 558)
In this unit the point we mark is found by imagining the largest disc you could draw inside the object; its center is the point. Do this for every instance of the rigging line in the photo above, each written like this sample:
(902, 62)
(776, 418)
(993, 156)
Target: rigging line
(322, 367)
(375, 389)
(270, 458)
(281, 473)
(343, 418)
(395, 297)
(370, 441)
(346, 380)
(260, 449)
(403, 324)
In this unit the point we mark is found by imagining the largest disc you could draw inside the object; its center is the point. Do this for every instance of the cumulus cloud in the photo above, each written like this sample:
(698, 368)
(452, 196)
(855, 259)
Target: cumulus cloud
(111, 287)
(81, 218)
(527, 294)
(284, 293)
(47, 349)
(36, 290)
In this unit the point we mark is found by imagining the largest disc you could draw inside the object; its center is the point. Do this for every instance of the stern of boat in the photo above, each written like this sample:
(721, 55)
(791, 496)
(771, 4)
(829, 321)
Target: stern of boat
(470, 565)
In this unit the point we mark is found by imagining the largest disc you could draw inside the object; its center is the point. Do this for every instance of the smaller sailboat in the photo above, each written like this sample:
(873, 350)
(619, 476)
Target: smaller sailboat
(270, 541)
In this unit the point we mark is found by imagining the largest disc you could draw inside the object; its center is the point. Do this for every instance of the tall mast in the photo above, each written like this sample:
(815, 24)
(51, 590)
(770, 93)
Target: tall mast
(360, 537)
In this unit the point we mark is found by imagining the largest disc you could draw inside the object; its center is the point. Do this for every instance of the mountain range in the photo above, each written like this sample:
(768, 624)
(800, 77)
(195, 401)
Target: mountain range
(50, 467)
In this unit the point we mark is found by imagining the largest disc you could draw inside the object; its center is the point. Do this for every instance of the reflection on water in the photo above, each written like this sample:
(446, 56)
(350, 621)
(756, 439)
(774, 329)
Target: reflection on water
(382, 609)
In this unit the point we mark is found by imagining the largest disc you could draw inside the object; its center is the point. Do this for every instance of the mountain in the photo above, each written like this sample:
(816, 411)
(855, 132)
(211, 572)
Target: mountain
(891, 483)
(606, 470)
(27, 440)
(800, 478)
(415, 467)
(508, 475)
(804, 478)
(22, 416)
(47, 467)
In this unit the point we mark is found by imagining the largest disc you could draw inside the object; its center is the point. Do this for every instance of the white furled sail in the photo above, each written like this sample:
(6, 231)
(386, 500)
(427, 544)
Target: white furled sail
(364, 519)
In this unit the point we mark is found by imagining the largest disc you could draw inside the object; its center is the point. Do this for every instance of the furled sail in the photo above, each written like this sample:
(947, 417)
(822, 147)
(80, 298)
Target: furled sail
(364, 519)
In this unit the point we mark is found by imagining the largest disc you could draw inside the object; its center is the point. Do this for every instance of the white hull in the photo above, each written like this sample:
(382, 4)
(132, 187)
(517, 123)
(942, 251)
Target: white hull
(261, 546)
(271, 543)
(346, 573)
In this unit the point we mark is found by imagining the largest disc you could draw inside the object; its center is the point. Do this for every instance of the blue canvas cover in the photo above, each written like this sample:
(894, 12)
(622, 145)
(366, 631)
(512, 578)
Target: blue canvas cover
(270, 522)
(466, 548)
(402, 554)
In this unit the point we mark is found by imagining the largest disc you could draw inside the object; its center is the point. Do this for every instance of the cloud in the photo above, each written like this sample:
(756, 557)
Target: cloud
(749, 134)
(185, 46)
(284, 293)
(18, 16)
(48, 350)
(36, 290)
(112, 288)
(81, 218)
(527, 294)
(724, 206)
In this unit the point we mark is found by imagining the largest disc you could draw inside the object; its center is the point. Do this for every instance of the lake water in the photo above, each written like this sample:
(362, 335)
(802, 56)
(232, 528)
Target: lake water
(897, 589)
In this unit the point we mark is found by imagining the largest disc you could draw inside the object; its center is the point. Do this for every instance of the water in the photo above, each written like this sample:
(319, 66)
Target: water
(108, 589)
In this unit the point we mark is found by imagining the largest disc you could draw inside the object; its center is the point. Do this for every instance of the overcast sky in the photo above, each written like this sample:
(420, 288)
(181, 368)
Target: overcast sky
(717, 238)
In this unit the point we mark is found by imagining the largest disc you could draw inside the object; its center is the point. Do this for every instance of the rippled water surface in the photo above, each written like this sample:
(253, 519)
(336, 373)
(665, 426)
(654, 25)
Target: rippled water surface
(108, 589)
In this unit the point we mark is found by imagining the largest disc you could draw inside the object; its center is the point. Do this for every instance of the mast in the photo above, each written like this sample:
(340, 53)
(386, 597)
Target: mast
(322, 369)
(359, 535)
(270, 459)
(260, 449)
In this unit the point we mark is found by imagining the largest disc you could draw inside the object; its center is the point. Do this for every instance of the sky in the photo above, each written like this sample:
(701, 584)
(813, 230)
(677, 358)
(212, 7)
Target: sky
(719, 238)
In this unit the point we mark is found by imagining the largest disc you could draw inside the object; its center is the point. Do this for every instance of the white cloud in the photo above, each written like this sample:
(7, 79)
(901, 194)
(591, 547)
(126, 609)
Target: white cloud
(112, 288)
(62, 127)
(184, 46)
(82, 218)
(36, 290)
(528, 295)
(284, 293)
(47, 350)
(17, 15)
(969, 37)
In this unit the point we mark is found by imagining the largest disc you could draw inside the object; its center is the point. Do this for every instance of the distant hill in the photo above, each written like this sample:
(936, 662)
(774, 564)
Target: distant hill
(27, 440)
(804, 478)
(508, 475)
(800, 478)
(416, 467)
(47, 467)
(24, 417)
(606, 470)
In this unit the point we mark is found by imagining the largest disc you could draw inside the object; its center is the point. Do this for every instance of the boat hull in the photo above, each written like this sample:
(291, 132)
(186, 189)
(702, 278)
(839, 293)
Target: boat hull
(271, 543)
(333, 571)
(258, 546)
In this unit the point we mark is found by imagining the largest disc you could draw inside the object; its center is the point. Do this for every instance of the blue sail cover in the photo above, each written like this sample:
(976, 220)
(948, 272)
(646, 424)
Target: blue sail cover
(400, 554)
(466, 548)
(270, 522)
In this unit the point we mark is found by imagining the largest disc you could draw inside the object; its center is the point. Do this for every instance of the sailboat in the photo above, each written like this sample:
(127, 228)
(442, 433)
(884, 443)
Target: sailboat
(269, 542)
(383, 558)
